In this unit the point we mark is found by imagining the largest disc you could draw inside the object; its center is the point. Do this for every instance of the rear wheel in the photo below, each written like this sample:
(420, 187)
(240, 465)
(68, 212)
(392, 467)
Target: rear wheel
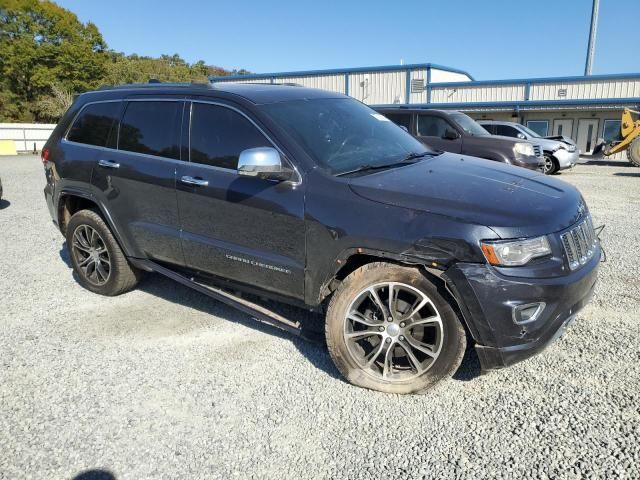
(97, 259)
(633, 152)
(550, 165)
(389, 329)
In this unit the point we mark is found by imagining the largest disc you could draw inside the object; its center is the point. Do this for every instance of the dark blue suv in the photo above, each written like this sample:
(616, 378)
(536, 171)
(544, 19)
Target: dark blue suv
(312, 198)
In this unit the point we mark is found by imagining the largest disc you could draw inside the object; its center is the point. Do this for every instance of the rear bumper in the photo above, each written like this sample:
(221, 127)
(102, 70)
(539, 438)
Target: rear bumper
(487, 299)
(48, 196)
(566, 159)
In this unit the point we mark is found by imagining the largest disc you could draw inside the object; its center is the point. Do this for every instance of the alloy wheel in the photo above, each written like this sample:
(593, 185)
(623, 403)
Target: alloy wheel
(393, 331)
(91, 255)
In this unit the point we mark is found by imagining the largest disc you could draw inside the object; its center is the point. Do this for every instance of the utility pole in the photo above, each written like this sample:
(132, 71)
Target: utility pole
(592, 37)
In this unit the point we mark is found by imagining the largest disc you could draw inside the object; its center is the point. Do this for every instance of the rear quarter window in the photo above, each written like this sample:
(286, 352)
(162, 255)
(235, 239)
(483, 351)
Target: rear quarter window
(96, 124)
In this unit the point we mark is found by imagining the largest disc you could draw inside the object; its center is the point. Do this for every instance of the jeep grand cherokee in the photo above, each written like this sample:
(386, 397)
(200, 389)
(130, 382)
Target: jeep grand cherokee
(312, 198)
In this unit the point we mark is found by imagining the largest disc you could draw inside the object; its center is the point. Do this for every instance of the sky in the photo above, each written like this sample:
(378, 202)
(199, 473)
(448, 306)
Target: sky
(491, 39)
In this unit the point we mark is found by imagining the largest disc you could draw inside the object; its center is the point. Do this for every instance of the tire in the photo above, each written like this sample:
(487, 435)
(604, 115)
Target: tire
(550, 165)
(633, 152)
(360, 351)
(90, 242)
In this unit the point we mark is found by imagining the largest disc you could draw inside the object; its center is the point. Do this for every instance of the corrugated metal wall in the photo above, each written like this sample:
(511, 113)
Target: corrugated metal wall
(372, 87)
(624, 88)
(333, 83)
(378, 87)
(483, 93)
(389, 86)
(568, 90)
(247, 80)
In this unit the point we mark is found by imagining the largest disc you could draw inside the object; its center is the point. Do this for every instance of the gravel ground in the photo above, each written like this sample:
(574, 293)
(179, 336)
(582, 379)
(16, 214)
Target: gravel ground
(166, 383)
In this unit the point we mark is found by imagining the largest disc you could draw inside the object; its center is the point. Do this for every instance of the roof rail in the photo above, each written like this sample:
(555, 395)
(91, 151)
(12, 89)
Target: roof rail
(156, 84)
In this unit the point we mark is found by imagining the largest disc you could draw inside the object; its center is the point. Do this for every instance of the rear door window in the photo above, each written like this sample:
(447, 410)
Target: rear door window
(97, 124)
(152, 128)
(430, 126)
(489, 128)
(218, 135)
(507, 131)
(402, 119)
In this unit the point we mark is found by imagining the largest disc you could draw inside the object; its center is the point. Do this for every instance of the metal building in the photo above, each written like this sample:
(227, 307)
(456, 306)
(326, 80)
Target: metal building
(585, 108)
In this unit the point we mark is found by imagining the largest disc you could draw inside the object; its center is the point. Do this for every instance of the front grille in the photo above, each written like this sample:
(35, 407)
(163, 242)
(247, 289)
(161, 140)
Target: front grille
(580, 243)
(537, 150)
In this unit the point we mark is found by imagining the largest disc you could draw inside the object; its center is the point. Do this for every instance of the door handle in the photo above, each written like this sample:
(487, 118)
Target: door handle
(108, 164)
(194, 181)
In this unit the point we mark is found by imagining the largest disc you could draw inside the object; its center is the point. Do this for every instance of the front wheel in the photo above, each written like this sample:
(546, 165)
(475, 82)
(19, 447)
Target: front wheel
(550, 165)
(633, 152)
(389, 329)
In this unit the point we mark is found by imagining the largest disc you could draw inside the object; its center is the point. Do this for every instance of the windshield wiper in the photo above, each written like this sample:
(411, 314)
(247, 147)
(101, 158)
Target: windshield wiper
(369, 167)
(409, 159)
(415, 155)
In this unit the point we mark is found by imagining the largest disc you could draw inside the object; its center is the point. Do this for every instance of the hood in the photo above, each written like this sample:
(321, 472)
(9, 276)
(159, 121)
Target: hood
(498, 140)
(552, 143)
(513, 201)
(561, 138)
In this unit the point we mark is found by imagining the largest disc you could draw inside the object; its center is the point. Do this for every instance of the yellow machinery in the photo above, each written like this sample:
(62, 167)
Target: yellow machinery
(630, 133)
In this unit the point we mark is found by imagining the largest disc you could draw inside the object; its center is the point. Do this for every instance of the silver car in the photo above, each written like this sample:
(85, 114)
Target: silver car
(559, 152)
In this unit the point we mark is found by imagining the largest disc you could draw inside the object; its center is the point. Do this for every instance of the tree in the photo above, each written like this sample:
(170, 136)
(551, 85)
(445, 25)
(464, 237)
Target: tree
(47, 55)
(52, 107)
(42, 44)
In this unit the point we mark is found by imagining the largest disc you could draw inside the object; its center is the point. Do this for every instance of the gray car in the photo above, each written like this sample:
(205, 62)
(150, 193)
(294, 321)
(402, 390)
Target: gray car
(455, 132)
(559, 152)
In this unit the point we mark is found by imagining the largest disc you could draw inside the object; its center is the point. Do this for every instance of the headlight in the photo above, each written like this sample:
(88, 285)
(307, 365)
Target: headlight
(523, 148)
(515, 252)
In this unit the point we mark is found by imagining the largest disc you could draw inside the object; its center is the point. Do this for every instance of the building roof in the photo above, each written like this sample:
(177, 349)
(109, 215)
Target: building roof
(338, 71)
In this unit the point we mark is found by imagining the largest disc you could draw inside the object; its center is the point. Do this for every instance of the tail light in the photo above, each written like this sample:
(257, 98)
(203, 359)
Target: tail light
(45, 155)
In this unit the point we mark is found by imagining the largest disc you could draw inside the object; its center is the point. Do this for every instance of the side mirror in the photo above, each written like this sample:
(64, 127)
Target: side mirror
(521, 135)
(450, 134)
(262, 162)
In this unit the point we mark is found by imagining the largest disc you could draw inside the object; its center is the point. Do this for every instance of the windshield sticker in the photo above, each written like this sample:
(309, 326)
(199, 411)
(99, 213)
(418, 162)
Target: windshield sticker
(382, 118)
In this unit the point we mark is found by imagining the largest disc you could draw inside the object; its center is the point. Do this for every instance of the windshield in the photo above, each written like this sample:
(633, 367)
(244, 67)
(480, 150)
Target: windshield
(469, 125)
(343, 135)
(528, 131)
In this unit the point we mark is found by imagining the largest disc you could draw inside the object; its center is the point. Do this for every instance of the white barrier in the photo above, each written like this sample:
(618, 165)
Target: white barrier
(27, 136)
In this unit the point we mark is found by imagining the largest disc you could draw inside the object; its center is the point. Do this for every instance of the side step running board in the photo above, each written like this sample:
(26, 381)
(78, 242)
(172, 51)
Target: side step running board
(256, 311)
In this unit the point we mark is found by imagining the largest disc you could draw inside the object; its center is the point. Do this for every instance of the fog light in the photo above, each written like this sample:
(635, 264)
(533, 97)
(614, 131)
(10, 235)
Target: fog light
(527, 313)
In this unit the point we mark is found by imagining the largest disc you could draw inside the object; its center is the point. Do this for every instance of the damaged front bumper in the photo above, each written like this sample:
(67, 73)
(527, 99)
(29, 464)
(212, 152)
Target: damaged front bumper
(566, 159)
(487, 300)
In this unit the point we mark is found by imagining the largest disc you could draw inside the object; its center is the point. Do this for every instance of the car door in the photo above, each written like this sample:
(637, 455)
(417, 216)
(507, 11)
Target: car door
(137, 180)
(247, 229)
(438, 133)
